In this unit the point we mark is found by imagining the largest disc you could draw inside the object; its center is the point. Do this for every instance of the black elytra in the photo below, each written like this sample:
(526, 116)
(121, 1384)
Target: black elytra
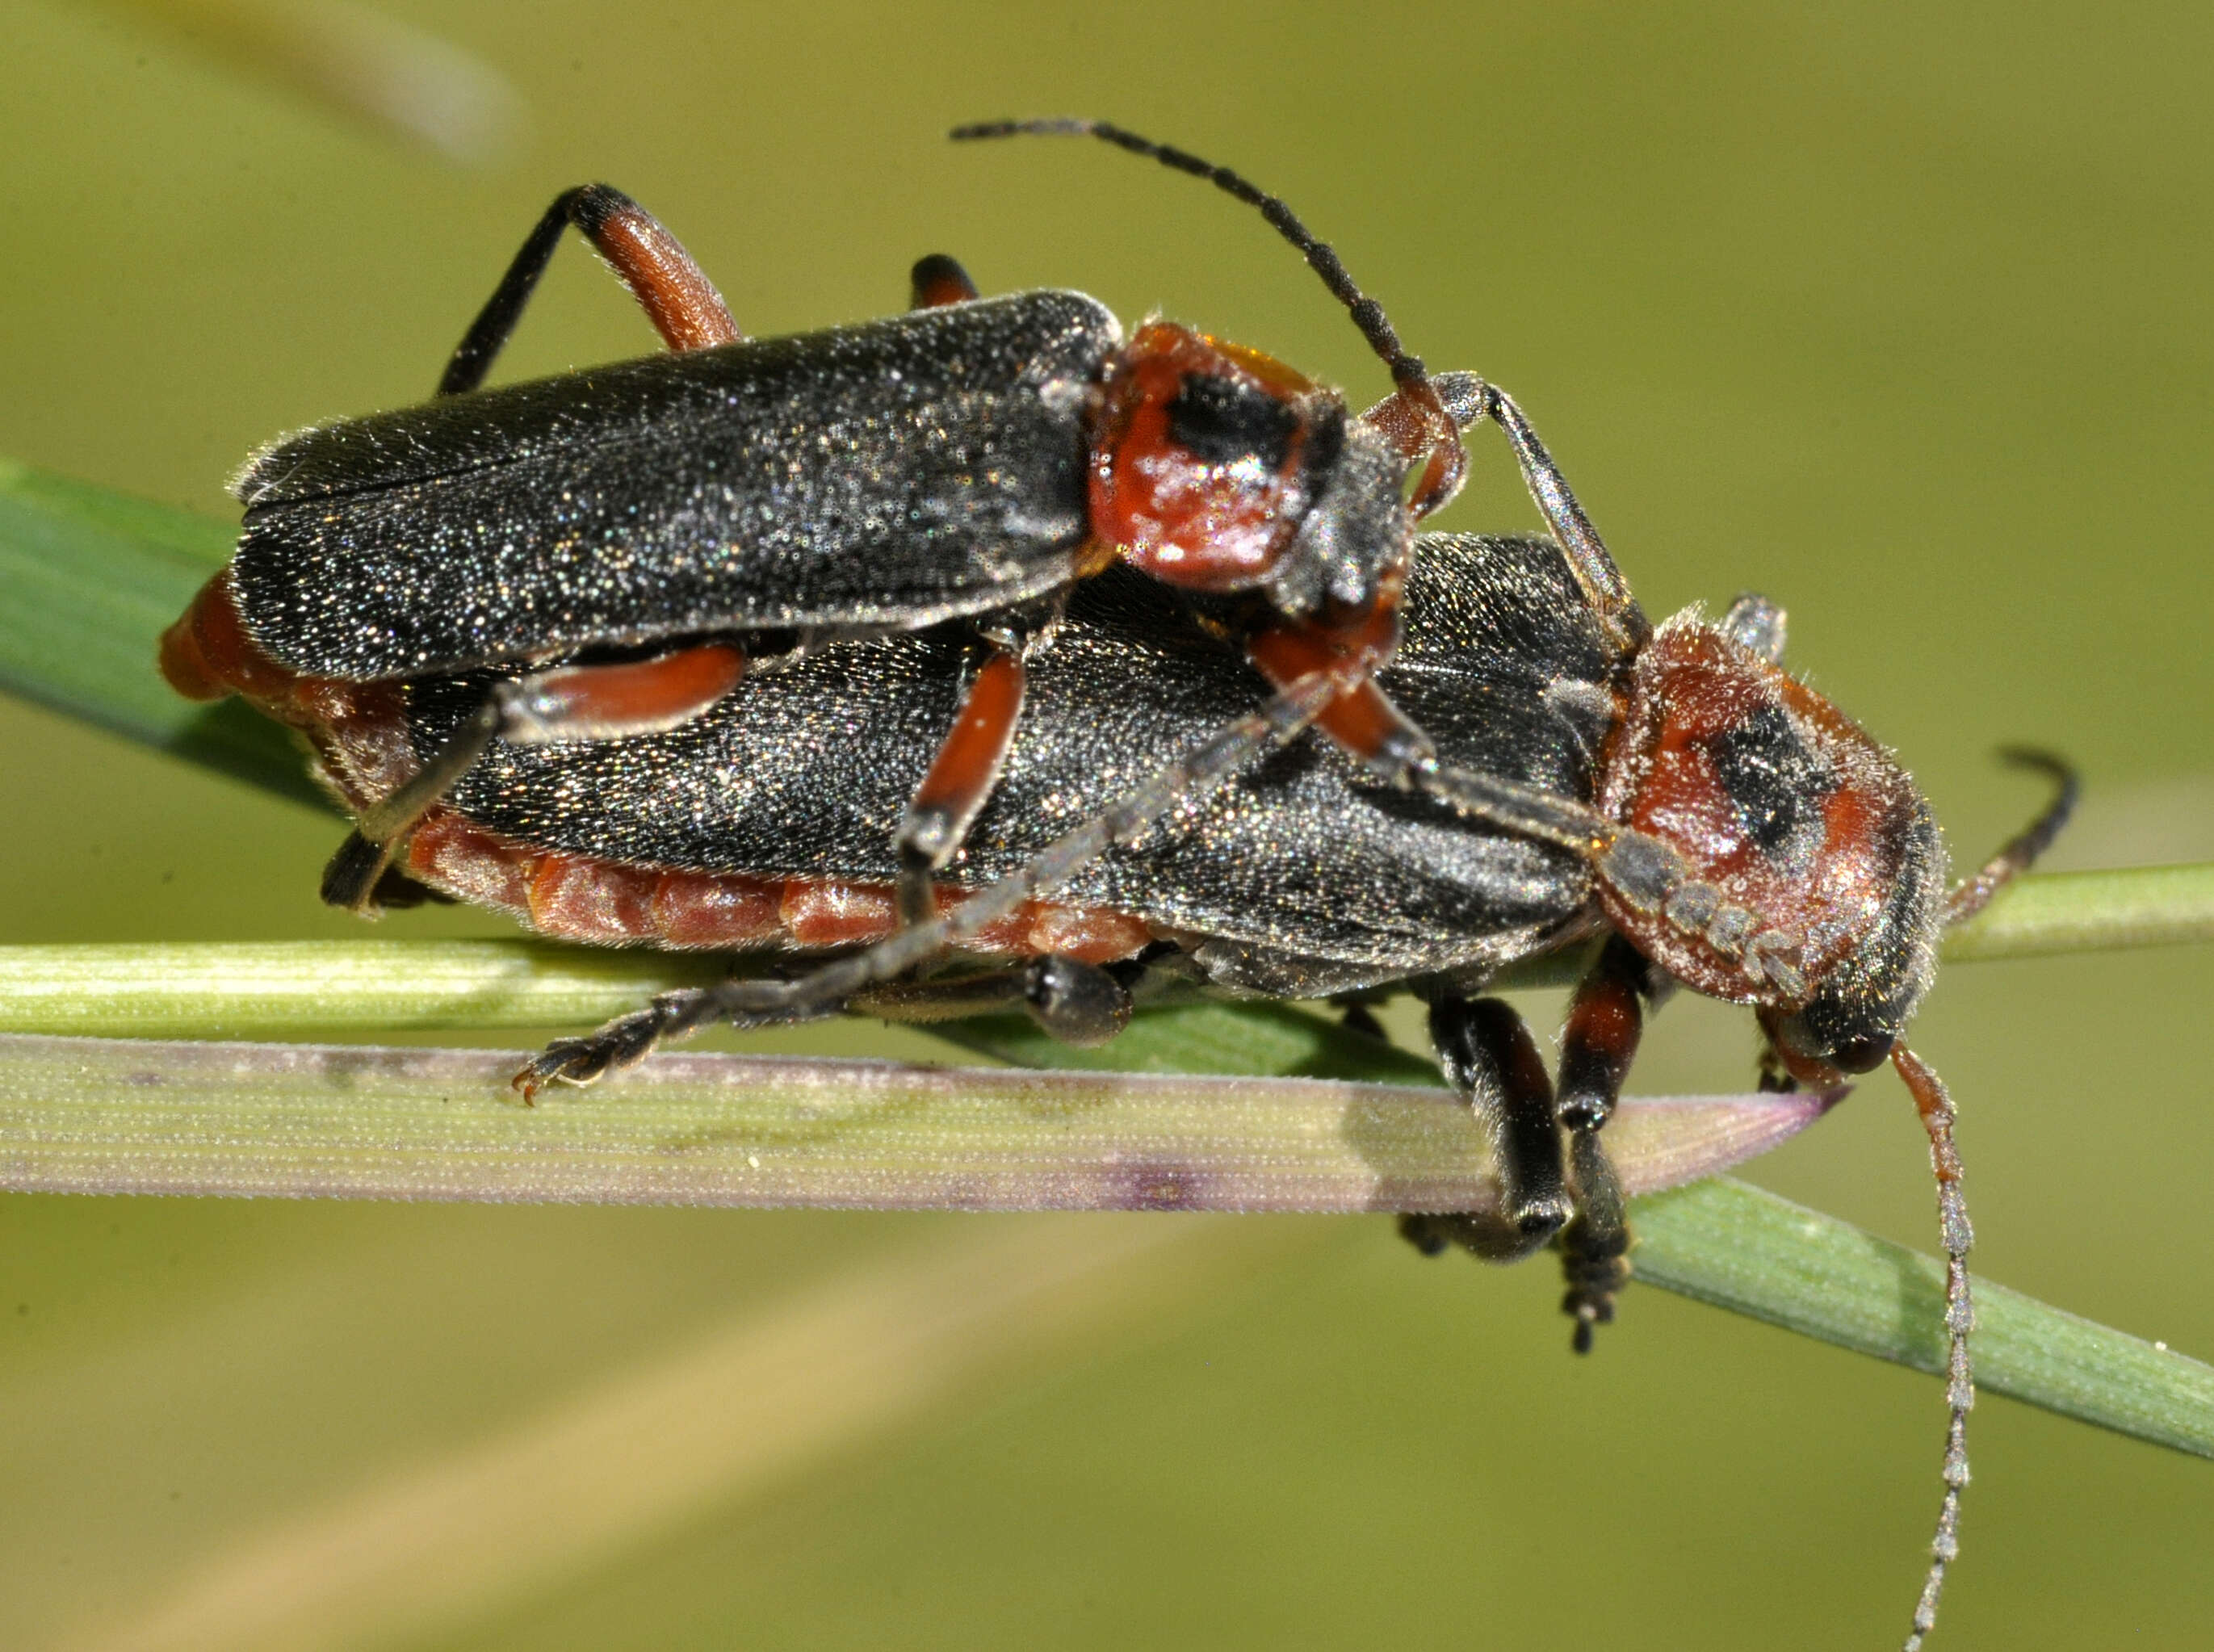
(902, 472)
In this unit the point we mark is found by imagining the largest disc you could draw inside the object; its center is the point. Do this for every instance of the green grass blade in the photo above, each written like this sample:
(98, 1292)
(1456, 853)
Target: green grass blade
(88, 579)
(351, 1120)
(1744, 1249)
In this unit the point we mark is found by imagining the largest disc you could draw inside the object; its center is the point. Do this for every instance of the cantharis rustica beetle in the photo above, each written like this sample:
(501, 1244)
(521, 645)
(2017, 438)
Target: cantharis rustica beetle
(1667, 794)
(737, 499)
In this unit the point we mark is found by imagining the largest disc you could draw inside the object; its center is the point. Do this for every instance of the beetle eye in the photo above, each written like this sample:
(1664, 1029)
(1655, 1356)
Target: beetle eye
(1863, 1054)
(1221, 420)
(1855, 1050)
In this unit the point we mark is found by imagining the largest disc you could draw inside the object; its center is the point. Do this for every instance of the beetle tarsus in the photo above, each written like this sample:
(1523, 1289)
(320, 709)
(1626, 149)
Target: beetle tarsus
(1595, 1244)
(622, 1043)
(352, 874)
(1074, 1002)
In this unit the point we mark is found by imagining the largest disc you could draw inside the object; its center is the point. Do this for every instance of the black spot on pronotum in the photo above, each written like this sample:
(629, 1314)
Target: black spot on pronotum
(1219, 421)
(1774, 783)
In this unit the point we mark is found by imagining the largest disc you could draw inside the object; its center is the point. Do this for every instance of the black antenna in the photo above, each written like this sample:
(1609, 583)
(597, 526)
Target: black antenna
(1368, 315)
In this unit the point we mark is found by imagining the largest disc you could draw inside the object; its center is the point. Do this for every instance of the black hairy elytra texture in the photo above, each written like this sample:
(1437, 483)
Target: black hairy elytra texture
(1304, 865)
(907, 471)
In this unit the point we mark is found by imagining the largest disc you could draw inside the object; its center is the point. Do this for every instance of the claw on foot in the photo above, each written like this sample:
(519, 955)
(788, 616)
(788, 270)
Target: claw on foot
(1594, 1283)
(583, 1060)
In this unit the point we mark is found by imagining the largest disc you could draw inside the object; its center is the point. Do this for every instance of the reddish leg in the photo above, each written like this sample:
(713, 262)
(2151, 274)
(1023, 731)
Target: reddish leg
(573, 702)
(960, 779)
(1416, 420)
(675, 294)
(1606, 1020)
(938, 280)
(1362, 719)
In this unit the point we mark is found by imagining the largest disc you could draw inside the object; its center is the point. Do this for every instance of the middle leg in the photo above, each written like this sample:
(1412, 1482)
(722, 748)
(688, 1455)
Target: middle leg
(571, 703)
(960, 779)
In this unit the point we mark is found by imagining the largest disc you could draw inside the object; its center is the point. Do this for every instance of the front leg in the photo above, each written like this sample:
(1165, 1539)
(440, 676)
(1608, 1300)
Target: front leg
(1606, 1018)
(1490, 1057)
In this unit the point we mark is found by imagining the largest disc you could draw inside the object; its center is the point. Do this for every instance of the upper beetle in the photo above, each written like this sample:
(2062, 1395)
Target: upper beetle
(657, 523)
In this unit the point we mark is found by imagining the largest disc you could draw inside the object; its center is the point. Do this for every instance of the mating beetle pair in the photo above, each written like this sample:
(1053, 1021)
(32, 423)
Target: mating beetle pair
(982, 629)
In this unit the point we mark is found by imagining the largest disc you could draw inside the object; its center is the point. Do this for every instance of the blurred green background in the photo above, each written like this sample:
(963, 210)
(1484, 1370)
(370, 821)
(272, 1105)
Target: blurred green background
(1899, 313)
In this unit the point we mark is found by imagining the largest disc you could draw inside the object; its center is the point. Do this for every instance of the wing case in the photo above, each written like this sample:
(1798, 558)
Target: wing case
(1302, 874)
(895, 474)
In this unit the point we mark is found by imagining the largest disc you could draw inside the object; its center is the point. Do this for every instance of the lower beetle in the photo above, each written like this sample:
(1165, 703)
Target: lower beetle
(1669, 792)
(735, 499)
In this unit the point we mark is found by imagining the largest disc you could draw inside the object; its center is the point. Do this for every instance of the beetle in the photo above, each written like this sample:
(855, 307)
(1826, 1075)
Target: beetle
(1677, 801)
(701, 511)
(1667, 791)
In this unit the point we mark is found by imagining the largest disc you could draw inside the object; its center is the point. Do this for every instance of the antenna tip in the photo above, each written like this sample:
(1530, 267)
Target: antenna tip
(1058, 126)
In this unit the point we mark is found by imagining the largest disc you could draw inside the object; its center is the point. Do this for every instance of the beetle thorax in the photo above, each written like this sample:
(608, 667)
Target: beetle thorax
(1217, 469)
(1810, 871)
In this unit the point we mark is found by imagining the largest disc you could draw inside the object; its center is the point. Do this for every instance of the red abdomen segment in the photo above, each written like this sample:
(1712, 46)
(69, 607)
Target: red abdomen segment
(607, 904)
(359, 732)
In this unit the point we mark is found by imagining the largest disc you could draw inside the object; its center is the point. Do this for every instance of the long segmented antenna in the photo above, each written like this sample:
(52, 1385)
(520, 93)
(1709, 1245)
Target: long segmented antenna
(1934, 1103)
(1443, 477)
(2020, 852)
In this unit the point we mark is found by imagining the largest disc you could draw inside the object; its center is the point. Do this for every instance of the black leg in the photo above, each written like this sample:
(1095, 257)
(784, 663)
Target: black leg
(1076, 1003)
(1594, 569)
(1490, 1057)
(674, 291)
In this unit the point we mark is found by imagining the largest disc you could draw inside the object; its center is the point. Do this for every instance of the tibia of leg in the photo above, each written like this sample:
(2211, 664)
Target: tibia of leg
(1487, 1054)
(1076, 1003)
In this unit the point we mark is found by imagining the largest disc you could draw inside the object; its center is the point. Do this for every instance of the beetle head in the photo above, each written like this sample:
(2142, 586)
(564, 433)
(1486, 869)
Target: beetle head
(1778, 856)
(1218, 468)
